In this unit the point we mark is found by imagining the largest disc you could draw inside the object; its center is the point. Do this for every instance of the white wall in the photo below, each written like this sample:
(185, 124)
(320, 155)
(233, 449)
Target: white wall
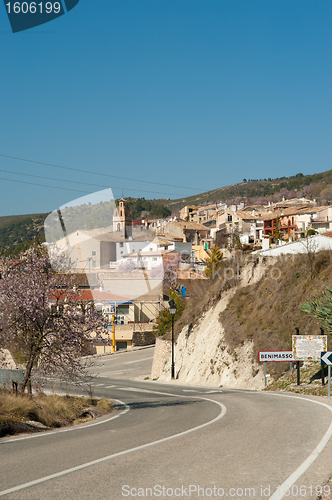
(313, 244)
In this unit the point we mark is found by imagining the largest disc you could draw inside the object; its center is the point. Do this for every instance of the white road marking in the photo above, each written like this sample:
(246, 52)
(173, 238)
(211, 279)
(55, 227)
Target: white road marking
(109, 374)
(119, 454)
(137, 360)
(277, 495)
(136, 389)
(97, 385)
(189, 390)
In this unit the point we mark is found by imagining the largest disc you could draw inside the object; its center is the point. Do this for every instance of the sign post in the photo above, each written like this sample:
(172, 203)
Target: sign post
(307, 348)
(326, 359)
(113, 326)
(323, 381)
(265, 373)
(264, 356)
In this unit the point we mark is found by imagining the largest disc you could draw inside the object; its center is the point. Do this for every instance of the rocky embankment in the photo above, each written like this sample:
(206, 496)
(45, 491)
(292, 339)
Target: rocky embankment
(202, 356)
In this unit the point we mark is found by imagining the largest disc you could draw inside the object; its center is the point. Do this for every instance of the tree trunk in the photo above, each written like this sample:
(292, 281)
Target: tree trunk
(27, 374)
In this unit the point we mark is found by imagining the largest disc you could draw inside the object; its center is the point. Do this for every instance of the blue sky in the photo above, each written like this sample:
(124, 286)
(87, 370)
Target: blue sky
(196, 94)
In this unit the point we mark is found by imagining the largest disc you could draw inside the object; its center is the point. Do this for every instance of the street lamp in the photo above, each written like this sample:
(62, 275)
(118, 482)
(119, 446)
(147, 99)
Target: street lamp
(172, 310)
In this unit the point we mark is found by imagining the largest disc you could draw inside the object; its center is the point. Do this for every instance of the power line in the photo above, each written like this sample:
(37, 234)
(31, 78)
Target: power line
(98, 173)
(69, 189)
(44, 185)
(83, 183)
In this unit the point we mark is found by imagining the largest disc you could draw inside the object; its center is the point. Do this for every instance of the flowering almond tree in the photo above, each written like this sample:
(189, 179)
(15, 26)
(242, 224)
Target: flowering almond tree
(41, 320)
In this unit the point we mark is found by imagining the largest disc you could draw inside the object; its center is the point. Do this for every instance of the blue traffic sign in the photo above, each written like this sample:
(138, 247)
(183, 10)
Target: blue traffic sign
(326, 358)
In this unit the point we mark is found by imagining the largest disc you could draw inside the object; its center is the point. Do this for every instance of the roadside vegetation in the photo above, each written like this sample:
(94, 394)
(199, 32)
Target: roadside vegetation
(163, 324)
(268, 311)
(206, 293)
(29, 414)
(310, 379)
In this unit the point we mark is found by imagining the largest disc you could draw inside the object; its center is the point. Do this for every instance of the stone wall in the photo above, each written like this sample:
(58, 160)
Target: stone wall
(162, 353)
(143, 338)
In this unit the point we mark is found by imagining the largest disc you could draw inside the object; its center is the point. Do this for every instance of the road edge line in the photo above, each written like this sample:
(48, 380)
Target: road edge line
(277, 495)
(124, 452)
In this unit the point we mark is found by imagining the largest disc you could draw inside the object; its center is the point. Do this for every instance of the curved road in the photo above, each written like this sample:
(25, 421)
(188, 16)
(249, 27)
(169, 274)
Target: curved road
(172, 441)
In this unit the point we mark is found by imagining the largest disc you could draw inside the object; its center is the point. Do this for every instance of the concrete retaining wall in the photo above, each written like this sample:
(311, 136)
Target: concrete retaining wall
(162, 353)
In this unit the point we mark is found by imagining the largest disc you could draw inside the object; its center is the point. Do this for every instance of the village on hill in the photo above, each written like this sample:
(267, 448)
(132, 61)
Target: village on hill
(128, 267)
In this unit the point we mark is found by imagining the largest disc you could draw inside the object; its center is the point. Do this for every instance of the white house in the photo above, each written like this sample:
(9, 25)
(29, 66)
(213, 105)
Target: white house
(315, 243)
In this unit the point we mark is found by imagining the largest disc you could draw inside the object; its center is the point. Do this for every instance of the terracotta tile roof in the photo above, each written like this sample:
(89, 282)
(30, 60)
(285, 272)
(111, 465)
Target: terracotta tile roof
(88, 296)
(183, 275)
(294, 211)
(312, 210)
(189, 225)
(153, 253)
(85, 280)
(250, 215)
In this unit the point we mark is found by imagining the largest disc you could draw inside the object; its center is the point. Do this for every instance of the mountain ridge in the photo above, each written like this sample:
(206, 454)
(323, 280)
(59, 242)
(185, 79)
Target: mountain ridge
(18, 232)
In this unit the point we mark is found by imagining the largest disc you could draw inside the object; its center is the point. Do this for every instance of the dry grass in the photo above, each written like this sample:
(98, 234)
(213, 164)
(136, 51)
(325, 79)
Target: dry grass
(51, 411)
(269, 311)
(310, 380)
(206, 293)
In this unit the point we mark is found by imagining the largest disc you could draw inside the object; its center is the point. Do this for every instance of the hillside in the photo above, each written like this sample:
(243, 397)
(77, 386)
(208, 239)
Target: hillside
(227, 322)
(17, 232)
(317, 186)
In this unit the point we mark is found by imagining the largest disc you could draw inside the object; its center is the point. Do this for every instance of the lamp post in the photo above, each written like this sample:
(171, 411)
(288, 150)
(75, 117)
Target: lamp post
(172, 310)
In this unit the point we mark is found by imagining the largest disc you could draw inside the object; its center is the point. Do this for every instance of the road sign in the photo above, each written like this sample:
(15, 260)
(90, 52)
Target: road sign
(326, 358)
(308, 347)
(275, 356)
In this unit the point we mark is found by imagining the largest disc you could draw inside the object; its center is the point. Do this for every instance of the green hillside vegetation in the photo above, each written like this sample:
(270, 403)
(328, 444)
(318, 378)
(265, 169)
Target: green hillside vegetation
(317, 186)
(19, 232)
(141, 208)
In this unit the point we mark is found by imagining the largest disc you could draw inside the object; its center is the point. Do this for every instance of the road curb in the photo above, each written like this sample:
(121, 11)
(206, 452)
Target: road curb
(133, 349)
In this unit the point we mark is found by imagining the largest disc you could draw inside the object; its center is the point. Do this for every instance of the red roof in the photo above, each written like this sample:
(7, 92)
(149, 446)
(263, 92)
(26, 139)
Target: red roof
(89, 295)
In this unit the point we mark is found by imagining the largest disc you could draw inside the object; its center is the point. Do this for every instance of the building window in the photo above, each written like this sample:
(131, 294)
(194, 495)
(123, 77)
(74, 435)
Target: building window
(94, 263)
(229, 218)
(121, 245)
(122, 310)
(118, 226)
(93, 252)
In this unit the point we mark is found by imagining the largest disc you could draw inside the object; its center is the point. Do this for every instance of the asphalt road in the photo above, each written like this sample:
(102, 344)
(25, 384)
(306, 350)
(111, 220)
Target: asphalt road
(126, 365)
(172, 441)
